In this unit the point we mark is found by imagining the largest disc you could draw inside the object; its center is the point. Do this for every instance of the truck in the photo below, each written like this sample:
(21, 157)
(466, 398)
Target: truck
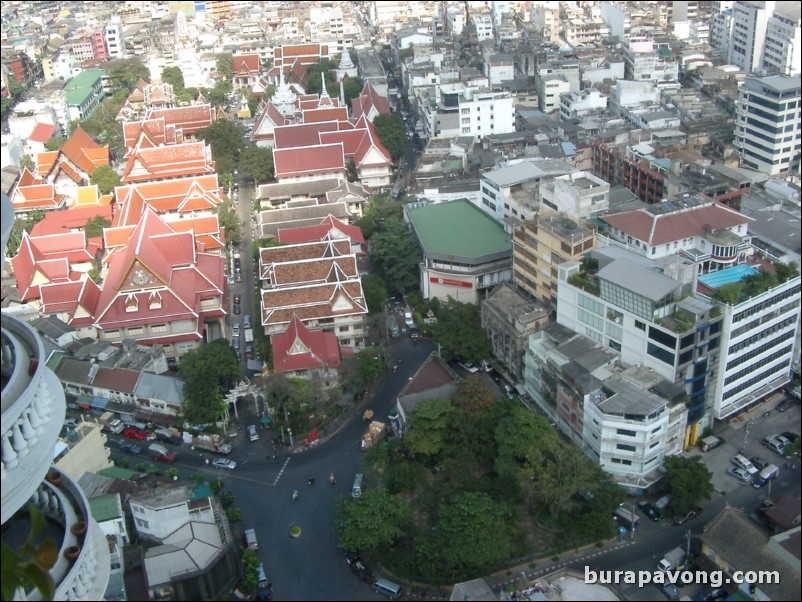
(672, 560)
(110, 422)
(375, 433)
(663, 502)
(392, 325)
(212, 443)
(248, 334)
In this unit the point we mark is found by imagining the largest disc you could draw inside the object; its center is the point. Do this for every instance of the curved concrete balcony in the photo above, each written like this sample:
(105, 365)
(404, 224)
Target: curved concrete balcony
(82, 567)
(33, 414)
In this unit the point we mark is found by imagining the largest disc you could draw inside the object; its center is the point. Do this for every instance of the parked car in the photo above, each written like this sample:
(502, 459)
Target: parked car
(224, 463)
(508, 391)
(469, 367)
(253, 434)
(131, 448)
(670, 591)
(758, 462)
(237, 299)
(649, 510)
(784, 404)
(71, 422)
(792, 437)
(775, 443)
(236, 309)
(134, 433)
(235, 330)
(740, 474)
(742, 462)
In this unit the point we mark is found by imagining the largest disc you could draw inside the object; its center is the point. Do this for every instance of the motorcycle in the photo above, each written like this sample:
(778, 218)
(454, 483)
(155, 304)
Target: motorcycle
(332, 479)
(311, 481)
(295, 494)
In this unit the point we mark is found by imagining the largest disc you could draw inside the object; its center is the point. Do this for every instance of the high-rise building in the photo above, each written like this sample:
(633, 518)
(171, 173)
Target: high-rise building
(113, 33)
(768, 126)
(765, 37)
(782, 52)
(33, 415)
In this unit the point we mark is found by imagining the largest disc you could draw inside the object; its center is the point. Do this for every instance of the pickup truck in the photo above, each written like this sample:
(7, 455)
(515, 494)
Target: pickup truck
(673, 559)
(212, 443)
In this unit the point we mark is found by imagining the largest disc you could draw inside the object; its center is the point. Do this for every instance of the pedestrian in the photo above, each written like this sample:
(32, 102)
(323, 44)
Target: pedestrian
(206, 460)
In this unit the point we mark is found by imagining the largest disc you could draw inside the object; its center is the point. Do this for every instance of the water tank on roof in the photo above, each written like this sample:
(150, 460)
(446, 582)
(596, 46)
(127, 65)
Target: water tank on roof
(72, 436)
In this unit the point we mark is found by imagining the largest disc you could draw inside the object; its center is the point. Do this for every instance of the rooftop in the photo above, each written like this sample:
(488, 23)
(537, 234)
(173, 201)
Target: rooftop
(639, 279)
(628, 399)
(459, 228)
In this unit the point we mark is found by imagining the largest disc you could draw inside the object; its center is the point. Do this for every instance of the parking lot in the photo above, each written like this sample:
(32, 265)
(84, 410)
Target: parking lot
(747, 434)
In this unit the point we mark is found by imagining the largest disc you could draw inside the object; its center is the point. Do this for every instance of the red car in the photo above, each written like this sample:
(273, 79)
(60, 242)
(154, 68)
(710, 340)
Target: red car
(134, 433)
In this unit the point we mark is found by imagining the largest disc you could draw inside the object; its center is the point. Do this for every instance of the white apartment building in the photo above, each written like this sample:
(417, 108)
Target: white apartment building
(750, 22)
(513, 191)
(757, 347)
(768, 126)
(455, 17)
(782, 52)
(617, 17)
(484, 26)
(585, 32)
(721, 31)
(459, 110)
(550, 89)
(645, 60)
(579, 194)
(579, 104)
(113, 34)
(546, 17)
(325, 23)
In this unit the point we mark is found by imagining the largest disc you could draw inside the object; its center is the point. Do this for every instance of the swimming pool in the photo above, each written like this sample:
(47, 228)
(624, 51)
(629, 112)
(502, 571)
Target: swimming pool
(718, 279)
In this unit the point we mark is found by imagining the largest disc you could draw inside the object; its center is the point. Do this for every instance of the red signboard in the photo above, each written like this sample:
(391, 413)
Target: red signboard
(450, 282)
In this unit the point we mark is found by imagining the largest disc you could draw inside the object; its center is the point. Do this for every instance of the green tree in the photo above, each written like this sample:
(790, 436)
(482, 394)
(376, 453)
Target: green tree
(371, 521)
(380, 209)
(94, 226)
(352, 87)
(55, 144)
(30, 566)
(257, 162)
(125, 73)
(93, 274)
(173, 75)
(729, 293)
(209, 370)
(396, 255)
(228, 218)
(26, 162)
(689, 481)
(103, 126)
(428, 428)
(218, 95)
(786, 271)
(105, 178)
(475, 395)
(224, 67)
(391, 133)
(350, 170)
(32, 218)
(187, 95)
(250, 578)
(225, 138)
(314, 84)
(370, 366)
(459, 331)
(475, 535)
(375, 292)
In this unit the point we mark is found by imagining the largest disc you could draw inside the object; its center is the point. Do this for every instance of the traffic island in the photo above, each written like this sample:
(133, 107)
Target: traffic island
(295, 531)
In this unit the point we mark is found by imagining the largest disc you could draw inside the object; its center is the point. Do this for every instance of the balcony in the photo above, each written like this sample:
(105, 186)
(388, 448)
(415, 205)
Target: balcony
(33, 414)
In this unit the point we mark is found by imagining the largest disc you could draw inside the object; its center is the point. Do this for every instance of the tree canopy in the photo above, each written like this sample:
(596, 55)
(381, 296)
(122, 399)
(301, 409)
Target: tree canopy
(102, 124)
(391, 133)
(105, 178)
(373, 520)
(174, 76)
(125, 73)
(689, 481)
(459, 330)
(94, 226)
(225, 138)
(228, 218)
(375, 292)
(209, 370)
(257, 162)
(475, 395)
(396, 255)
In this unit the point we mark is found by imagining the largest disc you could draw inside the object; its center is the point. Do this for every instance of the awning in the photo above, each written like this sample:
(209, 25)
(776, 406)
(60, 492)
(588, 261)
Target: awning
(99, 403)
(267, 420)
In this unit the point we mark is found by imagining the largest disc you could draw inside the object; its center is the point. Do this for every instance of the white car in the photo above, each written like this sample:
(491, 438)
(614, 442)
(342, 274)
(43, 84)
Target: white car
(740, 474)
(253, 435)
(224, 463)
(469, 367)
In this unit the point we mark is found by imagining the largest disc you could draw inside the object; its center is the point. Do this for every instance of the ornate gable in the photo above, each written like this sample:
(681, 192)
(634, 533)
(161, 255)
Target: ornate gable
(298, 347)
(139, 277)
(341, 300)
